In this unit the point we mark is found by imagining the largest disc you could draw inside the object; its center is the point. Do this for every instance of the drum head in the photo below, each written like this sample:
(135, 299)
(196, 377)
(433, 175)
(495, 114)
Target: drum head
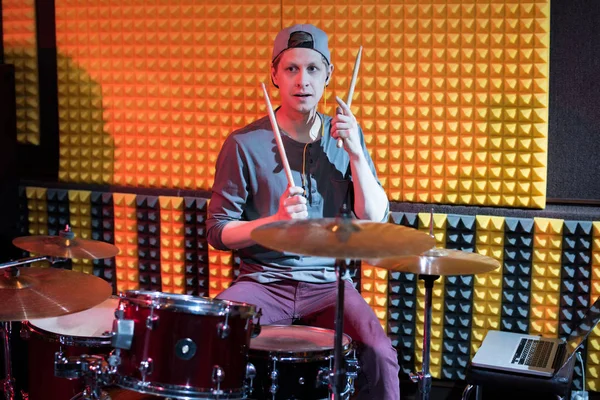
(92, 322)
(296, 339)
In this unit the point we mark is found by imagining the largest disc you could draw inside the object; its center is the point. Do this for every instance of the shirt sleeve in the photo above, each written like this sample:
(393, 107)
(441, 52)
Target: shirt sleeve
(229, 192)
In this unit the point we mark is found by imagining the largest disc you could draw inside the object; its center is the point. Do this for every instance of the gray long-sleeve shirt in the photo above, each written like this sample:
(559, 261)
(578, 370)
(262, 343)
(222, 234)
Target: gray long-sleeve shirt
(249, 181)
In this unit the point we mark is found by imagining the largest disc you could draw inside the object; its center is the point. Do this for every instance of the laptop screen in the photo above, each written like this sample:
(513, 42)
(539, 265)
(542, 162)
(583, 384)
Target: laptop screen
(586, 325)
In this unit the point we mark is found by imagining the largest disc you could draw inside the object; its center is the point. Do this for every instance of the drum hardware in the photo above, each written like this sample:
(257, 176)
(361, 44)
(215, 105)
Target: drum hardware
(93, 369)
(429, 267)
(8, 383)
(223, 329)
(250, 375)
(218, 376)
(146, 367)
(152, 321)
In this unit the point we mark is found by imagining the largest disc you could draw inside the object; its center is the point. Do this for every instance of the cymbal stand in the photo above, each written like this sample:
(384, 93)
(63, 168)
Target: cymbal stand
(29, 260)
(339, 370)
(8, 383)
(423, 377)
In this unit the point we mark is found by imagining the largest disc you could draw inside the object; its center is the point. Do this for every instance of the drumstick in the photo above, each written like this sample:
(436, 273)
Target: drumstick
(340, 141)
(284, 160)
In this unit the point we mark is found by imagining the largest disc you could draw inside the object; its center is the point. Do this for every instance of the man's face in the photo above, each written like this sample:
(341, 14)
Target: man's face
(301, 76)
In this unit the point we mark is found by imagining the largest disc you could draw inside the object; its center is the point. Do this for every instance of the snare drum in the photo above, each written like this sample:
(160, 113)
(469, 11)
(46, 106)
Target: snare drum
(85, 332)
(294, 362)
(183, 346)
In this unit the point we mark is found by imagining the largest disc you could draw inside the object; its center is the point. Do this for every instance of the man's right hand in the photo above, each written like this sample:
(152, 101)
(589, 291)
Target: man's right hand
(292, 205)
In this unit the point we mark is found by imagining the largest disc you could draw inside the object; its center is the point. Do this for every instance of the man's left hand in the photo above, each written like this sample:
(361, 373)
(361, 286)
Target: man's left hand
(344, 126)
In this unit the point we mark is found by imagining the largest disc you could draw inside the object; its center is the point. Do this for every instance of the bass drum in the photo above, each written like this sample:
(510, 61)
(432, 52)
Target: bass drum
(85, 332)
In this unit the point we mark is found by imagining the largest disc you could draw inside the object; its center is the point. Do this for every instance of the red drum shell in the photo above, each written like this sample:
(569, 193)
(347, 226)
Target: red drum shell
(192, 322)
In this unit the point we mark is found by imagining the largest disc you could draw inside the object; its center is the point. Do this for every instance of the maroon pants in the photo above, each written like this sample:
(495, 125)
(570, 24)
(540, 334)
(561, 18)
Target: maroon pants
(314, 304)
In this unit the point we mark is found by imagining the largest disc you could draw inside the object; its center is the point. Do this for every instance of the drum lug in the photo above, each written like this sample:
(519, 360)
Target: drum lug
(250, 375)
(146, 367)
(152, 321)
(223, 330)
(122, 333)
(352, 368)
(323, 377)
(274, 379)
(218, 376)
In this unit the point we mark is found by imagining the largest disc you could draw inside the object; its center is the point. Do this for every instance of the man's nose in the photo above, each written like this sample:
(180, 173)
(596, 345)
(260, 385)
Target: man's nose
(302, 78)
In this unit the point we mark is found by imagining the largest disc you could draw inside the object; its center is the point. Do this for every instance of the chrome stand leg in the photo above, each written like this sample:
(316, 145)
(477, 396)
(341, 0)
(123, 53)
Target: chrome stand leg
(8, 383)
(424, 377)
(467, 392)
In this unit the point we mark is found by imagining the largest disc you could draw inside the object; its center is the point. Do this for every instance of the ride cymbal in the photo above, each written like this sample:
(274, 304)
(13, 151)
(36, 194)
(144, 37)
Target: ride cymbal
(341, 238)
(440, 262)
(58, 246)
(48, 292)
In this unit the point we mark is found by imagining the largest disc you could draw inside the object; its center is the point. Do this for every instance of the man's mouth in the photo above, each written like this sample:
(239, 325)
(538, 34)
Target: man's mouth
(302, 95)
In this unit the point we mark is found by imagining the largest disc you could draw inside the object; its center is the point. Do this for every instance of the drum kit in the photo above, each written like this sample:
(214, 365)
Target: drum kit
(81, 341)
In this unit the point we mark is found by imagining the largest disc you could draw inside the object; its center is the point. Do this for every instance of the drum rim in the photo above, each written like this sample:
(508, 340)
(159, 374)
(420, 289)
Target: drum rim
(187, 304)
(320, 353)
(176, 391)
(68, 340)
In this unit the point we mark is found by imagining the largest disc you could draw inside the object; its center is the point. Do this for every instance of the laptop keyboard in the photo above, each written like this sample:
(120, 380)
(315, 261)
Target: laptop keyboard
(532, 352)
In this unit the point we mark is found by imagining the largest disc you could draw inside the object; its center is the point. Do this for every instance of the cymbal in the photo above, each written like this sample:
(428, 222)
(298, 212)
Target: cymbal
(57, 246)
(339, 238)
(48, 292)
(440, 262)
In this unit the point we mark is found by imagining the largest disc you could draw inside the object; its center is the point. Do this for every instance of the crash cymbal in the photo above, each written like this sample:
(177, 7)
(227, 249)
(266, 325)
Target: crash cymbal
(58, 246)
(339, 238)
(48, 292)
(440, 262)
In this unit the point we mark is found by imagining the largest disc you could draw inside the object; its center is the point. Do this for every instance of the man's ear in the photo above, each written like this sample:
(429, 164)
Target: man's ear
(274, 77)
(329, 72)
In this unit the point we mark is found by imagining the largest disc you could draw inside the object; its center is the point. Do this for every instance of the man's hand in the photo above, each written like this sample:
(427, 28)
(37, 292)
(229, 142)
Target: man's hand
(344, 126)
(292, 205)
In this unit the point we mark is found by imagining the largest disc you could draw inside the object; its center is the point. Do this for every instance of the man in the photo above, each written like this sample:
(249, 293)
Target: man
(251, 190)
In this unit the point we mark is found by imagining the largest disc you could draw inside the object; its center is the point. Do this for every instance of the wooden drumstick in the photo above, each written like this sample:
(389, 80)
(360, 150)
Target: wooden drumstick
(284, 160)
(340, 141)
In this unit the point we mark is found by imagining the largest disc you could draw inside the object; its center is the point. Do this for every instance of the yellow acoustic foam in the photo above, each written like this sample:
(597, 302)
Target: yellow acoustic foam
(374, 289)
(20, 49)
(545, 276)
(453, 98)
(126, 239)
(172, 257)
(80, 219)
(220, 270)
(487, 299)
(37, 215)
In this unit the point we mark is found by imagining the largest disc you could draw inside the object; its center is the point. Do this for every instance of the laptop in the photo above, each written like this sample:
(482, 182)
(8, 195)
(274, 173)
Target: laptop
(530, 354)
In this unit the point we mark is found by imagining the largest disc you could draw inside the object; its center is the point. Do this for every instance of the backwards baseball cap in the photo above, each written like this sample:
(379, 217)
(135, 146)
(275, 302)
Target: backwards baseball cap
(288, 38)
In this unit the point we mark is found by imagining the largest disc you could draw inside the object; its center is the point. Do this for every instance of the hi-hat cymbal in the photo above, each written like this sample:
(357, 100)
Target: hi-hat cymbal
(58, 246)
(340, 238)
(440, 262)
(48, 292)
